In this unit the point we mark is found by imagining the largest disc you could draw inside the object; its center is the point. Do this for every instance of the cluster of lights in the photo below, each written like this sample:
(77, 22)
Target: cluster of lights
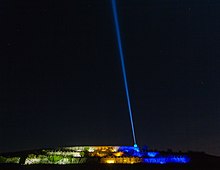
(101, 154)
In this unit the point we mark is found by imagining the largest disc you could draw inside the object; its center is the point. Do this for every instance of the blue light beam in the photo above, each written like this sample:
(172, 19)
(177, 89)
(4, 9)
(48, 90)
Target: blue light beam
(114, 9)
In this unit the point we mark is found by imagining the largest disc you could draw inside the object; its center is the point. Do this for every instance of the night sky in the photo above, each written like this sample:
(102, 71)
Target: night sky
(61, 82)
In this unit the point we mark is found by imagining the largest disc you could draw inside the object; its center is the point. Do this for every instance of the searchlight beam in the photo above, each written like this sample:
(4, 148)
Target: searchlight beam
(115, 15)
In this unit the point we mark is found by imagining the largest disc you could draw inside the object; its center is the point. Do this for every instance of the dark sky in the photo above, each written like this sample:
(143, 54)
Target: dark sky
(61, 82)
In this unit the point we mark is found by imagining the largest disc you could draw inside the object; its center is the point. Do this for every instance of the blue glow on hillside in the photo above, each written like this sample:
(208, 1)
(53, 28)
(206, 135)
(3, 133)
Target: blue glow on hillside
(152, 154)
(153, 157)
(130, 151)
(114, 9)
(165, 160)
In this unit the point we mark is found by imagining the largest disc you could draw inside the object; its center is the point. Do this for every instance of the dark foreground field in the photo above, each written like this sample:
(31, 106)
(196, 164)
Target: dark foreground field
(110, 167)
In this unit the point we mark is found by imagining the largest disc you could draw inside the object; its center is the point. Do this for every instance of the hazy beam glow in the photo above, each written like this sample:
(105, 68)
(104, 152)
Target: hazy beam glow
(114, 8)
